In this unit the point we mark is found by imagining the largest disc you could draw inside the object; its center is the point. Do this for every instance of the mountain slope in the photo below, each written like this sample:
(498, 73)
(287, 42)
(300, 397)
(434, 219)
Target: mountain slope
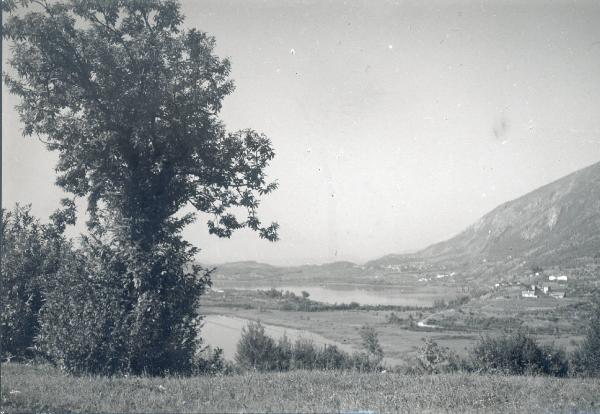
(553, 224)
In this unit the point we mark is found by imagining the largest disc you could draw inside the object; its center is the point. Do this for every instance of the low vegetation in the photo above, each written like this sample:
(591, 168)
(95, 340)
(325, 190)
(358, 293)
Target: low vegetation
(45, 389)
(519, 354)
(259, 352)
(586, 359)
(284, 300)
(31, 254)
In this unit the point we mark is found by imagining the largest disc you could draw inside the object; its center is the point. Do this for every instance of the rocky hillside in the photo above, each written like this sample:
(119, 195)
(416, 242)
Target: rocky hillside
(552, 225)
(557, 224)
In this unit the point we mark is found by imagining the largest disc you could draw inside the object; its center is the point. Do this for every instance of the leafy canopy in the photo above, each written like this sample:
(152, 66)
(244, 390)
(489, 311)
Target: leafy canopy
(130, 101)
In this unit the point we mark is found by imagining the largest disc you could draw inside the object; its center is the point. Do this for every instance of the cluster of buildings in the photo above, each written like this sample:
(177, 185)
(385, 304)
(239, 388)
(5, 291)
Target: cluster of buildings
(438, 276)
(535, 291)
(556, 291)
(558, 278)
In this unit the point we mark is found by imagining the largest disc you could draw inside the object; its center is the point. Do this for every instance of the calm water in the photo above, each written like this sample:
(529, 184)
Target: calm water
(225, 332)
(363, 296)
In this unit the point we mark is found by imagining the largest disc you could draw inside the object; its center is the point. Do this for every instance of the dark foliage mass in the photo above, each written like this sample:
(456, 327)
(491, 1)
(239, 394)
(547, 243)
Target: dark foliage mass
(92, 322)
(519, 354)
(130, 102)
(258, 351)
(32, 254)
(586, 358)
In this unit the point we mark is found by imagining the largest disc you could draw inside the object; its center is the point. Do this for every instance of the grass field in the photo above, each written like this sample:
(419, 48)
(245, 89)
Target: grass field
(560, 322)
(44, 389)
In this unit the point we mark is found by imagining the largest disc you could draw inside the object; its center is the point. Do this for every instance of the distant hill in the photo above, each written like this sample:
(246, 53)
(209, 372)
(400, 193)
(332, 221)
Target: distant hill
(254, 271)
(554, 224)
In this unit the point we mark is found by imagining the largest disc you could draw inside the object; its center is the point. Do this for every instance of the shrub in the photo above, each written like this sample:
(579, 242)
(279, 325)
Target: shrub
(518, 354)
(435, 359)
(586, 358)
(370, 343)
(256, 350)
(394, 319)
(84, 323)
(31, 253)
(94, 319)
(331, 357)
(210, 361)
(305, 355)
(283, 354)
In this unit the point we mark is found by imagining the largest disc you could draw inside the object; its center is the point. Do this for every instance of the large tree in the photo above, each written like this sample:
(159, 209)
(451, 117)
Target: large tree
(130, 101)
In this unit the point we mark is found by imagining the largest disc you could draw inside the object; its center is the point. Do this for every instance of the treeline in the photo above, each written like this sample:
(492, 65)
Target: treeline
(517, 353)
(289, 301)
(68, 305)
(512, 354)
(258, 351)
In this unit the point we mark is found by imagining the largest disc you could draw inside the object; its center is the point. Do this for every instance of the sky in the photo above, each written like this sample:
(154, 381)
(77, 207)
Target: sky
(395, 124)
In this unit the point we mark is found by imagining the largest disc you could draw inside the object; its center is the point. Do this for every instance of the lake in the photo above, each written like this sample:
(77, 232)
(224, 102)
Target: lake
(225, 332)
(391, 296)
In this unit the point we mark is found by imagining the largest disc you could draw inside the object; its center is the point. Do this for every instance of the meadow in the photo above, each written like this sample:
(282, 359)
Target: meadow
(45, 389)
(458, 328)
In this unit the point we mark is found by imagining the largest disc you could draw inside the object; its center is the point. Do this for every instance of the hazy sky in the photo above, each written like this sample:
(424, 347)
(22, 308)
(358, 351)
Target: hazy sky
(396, 124)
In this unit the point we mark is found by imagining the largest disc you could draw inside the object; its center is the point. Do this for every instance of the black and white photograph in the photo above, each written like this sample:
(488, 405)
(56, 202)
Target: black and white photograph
(300, 206)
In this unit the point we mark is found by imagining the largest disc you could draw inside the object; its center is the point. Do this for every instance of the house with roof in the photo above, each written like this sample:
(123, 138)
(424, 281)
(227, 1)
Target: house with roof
(529, 294)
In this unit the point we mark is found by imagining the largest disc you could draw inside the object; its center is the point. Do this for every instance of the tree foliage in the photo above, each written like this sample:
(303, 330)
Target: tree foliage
(255, 350)
(370, 343)
(519, 354)
(586, 358)
(130, 102)
(435, 359)
(258, 351)
(32, 253)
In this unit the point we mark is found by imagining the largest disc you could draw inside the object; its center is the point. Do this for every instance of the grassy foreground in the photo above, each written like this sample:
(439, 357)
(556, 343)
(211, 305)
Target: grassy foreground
(44, 389)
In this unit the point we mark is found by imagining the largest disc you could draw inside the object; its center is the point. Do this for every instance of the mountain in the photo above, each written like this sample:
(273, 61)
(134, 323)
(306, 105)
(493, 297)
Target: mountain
(554, 224)
(557, 224)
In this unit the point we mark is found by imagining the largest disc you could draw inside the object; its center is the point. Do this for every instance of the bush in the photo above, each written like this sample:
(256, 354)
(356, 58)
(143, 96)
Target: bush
(435, 359)
(333, 358)
(31, 253)
(256, 350)
(284, 353)
(304, 354)
(84, 322)
(370, 343)
(518, 354)
(586, 358)
(98, 318)
(211, 362)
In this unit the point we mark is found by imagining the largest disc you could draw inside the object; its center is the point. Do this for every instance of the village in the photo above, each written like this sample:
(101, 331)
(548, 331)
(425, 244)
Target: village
(554, 287)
